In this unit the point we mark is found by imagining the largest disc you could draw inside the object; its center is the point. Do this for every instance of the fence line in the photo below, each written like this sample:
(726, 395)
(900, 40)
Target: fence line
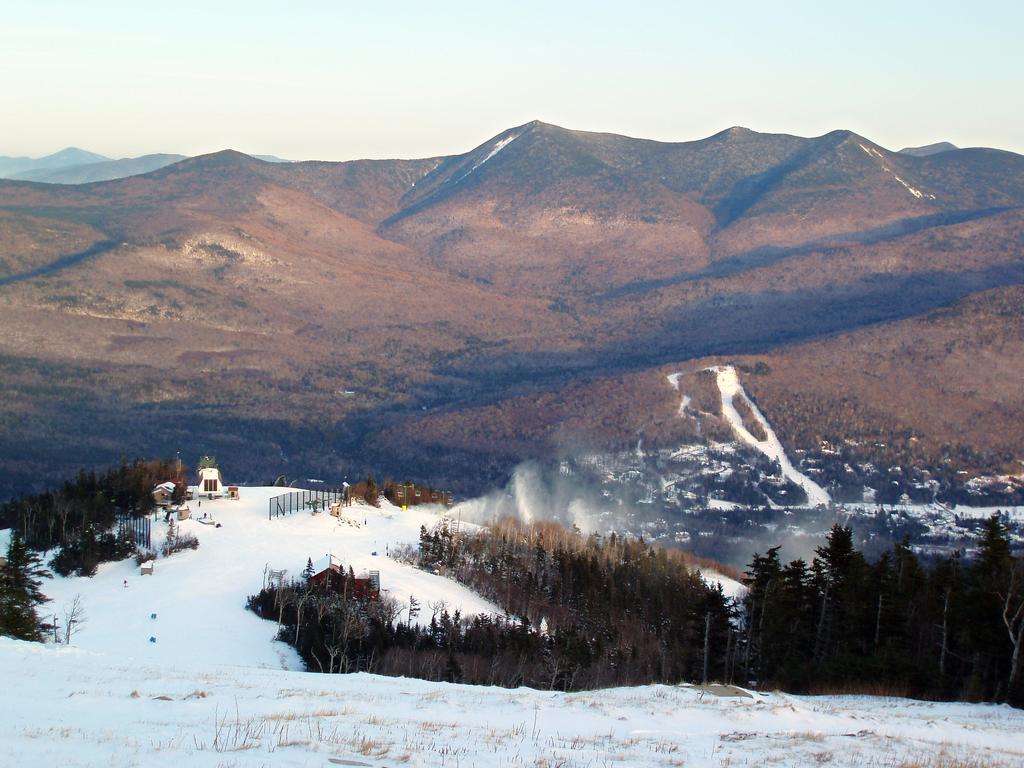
(137, 526)
(302, 501)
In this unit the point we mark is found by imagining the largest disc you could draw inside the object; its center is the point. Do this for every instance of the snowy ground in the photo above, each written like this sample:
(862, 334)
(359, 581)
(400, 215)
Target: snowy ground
(214, 689)
(198, 597)
(730, 587)
(943, 510)
(89, 709)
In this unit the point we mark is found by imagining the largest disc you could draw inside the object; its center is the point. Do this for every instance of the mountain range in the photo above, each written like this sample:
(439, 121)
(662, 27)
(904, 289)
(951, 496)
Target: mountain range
(77, 166)
(447, 317)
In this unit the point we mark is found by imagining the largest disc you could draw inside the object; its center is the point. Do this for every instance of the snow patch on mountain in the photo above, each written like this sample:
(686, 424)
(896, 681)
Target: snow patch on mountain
(673, 379)
(872, 152)
(498, 146)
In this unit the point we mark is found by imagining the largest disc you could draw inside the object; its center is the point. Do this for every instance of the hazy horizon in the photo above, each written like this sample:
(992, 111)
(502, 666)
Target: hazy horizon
(340, 81)
(482, 140)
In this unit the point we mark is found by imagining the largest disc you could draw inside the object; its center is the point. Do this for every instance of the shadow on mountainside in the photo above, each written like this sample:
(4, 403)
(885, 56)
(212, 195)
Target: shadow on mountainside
(768, 255)
(63, 262)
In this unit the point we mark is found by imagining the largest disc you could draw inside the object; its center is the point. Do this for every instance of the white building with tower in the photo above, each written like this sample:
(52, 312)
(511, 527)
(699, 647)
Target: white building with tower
(210, 483)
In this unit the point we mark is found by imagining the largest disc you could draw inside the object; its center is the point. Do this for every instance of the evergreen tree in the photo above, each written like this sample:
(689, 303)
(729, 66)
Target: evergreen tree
(426, 546)
(171, 542)
(762, 586)
(452, 670)
(414, 609)
(998, 605)
(839, 580)
(372, 495)
(20, 593)
(947, 589)
(792, 636)
(994, 549)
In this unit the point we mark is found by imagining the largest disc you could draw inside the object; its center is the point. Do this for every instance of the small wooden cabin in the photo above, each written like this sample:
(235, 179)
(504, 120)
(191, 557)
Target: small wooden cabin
(163, 494)
(366, 586)
(330, 574)
(330, 577)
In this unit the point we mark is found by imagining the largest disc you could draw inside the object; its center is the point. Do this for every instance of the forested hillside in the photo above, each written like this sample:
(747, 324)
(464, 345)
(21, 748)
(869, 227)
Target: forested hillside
(313, 318)
(952, 630)
(587, 611)
(86, 518)
(580, 613)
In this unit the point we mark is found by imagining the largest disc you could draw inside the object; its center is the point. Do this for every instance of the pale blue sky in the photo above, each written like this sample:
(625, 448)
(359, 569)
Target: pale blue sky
(340, 80)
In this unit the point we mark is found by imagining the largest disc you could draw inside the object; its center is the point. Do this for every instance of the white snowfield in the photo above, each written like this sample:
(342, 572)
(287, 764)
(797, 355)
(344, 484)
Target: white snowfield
(980, 513)
(198, 596)
(67, 707)
(731, 389)
(498, 146)
(730, 587)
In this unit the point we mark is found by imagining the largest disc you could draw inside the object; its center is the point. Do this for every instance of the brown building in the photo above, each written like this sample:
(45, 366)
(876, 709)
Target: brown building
(330, 574)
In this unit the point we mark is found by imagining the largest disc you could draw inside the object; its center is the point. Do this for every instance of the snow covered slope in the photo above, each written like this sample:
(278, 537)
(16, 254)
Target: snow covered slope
(730, 587)
(211, 690)
(198, 596)
(95, 710)
(731, 389)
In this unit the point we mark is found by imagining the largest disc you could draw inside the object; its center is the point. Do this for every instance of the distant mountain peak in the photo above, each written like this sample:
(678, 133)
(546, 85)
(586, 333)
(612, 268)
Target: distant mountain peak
(731, 134)
(221, 158)
(104, 170)
(75, 155)
(222, 164)
(929, 149)
(69, 156)
(846, 136)
(229, 153)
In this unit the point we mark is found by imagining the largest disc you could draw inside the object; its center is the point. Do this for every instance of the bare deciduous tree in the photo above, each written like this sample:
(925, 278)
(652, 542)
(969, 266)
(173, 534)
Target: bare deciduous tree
(1012, 599)
(74, 618)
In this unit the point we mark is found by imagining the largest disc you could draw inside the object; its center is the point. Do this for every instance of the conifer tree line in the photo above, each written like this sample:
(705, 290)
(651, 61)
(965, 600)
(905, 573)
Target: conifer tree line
(587, 612)
(642, 612)
(951, 630)
(20, 591)
(79, 518)
(580, 612)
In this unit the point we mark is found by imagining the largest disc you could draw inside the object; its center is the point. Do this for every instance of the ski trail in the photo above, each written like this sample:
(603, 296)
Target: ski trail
(730, 388)
(673, 379)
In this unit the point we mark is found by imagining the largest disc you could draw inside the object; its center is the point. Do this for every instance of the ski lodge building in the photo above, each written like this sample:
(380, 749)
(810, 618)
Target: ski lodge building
(329, 573)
